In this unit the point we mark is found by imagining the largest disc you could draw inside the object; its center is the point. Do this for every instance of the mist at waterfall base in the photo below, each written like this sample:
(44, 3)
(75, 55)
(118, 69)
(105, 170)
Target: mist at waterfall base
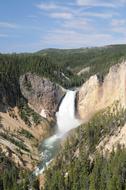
(66, 121)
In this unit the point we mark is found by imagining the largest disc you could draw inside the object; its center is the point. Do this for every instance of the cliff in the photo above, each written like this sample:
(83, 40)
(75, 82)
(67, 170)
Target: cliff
(42, 94)
(96, 94)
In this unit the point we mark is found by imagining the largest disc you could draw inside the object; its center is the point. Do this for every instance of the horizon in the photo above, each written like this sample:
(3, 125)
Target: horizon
(33, 25)
(46, 49)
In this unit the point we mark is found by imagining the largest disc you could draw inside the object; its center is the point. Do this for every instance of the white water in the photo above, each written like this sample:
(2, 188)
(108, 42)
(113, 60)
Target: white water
(66, 115)
(66, 121)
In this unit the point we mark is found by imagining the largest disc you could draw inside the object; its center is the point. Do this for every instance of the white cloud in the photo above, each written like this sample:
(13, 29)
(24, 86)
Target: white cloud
(61, 15)
(47, 6)
(7, 25)
(118, 26)
(78, 24)
(101, 3)
(120, 30)
(78, 29)
(103, 15)
(73, 39)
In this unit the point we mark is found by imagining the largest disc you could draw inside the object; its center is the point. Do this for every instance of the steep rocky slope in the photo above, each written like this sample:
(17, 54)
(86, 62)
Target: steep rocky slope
(41, 93)
(19, 141)
(99, 93)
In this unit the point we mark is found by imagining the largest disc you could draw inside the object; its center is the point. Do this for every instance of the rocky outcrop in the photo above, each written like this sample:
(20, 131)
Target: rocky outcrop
(43, 95)
(96, 95)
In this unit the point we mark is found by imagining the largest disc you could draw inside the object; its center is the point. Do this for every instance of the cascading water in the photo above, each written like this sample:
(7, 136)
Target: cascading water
(66, 115)
(66, 121)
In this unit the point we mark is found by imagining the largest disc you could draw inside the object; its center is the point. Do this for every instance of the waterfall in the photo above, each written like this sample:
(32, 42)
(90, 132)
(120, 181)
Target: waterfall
(66, 115)
(66, 121)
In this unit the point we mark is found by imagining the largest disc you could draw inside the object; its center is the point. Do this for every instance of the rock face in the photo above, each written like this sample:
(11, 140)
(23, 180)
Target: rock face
(9, 94)
(111, 142)
(43, 95)
(96, 95)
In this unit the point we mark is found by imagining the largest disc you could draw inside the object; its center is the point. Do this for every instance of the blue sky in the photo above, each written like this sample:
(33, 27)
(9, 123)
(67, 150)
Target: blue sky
(31, 25)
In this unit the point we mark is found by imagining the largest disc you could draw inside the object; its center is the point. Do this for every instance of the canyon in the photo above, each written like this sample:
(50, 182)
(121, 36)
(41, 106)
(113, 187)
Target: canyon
(42, 94)
(37, 115)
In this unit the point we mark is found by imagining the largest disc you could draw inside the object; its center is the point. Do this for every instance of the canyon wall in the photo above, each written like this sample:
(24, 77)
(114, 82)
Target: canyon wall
(43, 95)
(95, 95)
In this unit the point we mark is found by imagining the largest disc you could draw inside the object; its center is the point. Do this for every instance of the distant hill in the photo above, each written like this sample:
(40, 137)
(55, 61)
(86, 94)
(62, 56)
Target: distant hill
(83, 57)
(81, 50)
(67, 51)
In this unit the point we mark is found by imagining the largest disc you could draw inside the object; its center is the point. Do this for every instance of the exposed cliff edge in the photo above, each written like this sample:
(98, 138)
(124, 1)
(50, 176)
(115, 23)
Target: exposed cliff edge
(42, 94)
(96, 94)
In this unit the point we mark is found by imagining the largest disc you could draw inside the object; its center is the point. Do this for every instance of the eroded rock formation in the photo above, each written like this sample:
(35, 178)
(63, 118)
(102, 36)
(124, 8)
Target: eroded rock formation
(42, 94)
(95, 95)
(20, 142)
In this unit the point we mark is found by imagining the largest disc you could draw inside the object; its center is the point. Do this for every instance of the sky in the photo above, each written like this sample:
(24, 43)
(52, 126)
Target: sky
(32, 25)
